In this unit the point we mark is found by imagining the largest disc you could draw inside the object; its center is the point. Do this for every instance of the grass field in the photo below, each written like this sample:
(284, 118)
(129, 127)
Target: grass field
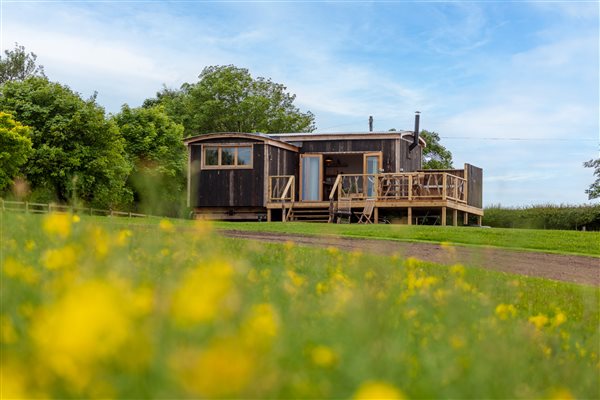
(104, 309)
(562, 242)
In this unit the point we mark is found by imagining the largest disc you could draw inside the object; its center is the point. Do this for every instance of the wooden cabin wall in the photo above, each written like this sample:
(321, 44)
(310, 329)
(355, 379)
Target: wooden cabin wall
(282, 161)
(409, 162)
(386, 146)
(474, 186)
(228, 187)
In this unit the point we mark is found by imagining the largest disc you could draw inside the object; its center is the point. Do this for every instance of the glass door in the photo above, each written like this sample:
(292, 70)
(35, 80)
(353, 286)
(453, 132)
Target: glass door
(372, 165)
(311, 177)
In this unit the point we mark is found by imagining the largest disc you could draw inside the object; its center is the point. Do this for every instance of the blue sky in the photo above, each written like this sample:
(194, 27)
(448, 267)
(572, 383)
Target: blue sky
(481, 73)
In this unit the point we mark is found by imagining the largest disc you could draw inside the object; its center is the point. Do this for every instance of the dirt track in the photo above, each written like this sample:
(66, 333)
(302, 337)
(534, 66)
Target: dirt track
(576, 269)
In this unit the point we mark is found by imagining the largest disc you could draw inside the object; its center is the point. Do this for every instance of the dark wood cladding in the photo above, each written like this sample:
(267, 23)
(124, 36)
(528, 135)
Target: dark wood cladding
(391, 161)
(282, 161)
(474, 186)
(409, 161)
(229, 187)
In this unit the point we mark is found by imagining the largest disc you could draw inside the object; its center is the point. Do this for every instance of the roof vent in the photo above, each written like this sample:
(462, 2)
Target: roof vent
(370, 123)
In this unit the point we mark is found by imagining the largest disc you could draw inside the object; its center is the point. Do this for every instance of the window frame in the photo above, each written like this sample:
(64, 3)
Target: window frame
(219, 147)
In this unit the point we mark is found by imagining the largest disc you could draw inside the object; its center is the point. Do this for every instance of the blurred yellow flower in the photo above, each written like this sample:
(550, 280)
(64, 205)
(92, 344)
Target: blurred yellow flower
(29, 245)
(55, 224)
(223, 369)
(123, 237)
(7, 330)
(561, 393)
(262, 325)
(323, 356)
(63, 257)
(15, 269)
(166, 225)
(457, 269)
(288, 245)
(100, 242)
(378, 390)
(202, 292)
(76, 218)
(539, 321)
(559, 318)
(505, 311)
(333, 250)
(87, 325)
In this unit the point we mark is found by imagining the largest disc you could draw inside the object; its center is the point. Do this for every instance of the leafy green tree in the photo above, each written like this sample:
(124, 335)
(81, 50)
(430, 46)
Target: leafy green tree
(228, 99)
(154, 147)
(17, 65)
(77, 153)
(435, 156)
(593, 191)
(15, 148)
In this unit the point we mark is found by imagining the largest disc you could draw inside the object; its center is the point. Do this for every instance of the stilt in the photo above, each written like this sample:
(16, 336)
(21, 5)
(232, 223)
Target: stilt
(410, 215)
(454, 217)
(376, 215)
(444, 215)
(479, 220)
(268, 215)
(465, 218)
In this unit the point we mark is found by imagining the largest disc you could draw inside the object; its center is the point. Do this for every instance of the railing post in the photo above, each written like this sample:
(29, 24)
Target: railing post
(456, 189)
(26, 207)
(410, 185)
(444, 180)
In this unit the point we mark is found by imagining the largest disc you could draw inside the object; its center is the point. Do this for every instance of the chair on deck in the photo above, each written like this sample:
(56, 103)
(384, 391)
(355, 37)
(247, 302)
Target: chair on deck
(343, 210)
(365, 217)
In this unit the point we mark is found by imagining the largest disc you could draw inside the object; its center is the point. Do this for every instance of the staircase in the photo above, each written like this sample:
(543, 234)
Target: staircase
(317, 214)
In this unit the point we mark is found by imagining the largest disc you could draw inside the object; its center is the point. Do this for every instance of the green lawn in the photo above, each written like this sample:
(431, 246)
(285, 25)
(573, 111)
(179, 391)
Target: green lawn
(98, 308)
(565, 242)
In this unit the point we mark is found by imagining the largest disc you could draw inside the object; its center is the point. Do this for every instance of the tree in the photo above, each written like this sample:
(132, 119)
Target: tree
(228, 99)
(154, 147)
(435, 156)
(16, 65)
(77, 153)
(15, 148)
(593, 191)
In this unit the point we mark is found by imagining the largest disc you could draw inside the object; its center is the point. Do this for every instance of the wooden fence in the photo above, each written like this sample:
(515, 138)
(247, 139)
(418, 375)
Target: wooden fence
(45, 208)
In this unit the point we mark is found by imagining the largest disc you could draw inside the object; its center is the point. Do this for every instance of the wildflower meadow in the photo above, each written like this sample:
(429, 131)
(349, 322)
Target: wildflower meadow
(118, 308)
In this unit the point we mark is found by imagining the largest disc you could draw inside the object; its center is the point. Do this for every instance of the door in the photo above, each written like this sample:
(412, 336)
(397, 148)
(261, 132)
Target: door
(311, 177)
(372, 165)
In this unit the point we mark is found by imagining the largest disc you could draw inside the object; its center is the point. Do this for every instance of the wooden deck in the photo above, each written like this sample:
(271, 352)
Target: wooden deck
(409, 193)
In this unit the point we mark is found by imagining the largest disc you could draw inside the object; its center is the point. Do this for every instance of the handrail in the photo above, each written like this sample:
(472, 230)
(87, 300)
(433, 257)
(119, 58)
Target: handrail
(276, 182)
(334, 187)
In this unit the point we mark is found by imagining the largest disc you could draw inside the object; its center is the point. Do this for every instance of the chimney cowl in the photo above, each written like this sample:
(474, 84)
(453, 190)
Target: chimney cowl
(370, 123)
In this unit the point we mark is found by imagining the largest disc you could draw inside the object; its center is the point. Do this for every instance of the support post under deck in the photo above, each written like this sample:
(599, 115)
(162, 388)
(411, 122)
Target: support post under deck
(410, 215)
(465, 218)
(268, 215)
(454, 217)
(443, 216)
(376, 215)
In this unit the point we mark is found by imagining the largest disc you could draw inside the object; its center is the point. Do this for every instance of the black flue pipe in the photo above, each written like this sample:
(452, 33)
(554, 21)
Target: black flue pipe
(415, 142)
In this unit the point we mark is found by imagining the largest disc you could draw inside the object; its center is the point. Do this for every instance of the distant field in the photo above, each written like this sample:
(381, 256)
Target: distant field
(564, 242)
(103, 307)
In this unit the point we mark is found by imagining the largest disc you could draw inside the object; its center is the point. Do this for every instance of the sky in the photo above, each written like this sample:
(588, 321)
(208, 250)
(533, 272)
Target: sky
(510, 86)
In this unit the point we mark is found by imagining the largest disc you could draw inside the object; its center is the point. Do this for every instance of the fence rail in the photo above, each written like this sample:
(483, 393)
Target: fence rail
(45, 208)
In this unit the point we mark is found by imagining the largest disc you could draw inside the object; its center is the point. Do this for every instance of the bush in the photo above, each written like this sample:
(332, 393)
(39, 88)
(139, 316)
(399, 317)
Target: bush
(582, 217)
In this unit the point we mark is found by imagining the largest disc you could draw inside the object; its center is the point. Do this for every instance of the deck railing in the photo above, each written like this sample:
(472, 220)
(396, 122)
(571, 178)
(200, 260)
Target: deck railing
(401, 186)
(282, 188)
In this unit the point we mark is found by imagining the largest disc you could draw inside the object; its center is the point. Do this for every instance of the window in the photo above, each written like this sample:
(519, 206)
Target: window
(227, 156)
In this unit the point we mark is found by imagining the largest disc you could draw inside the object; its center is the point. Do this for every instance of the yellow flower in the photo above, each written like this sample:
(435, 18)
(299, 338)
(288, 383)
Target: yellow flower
(223, 369)
(505, 311)
(378, 390)
(166, 225)
(76, 219)
(457, 342)
(14, 385)
(288, 245)
(59, 258)
(333, 250)
(457, 269)
(561, 393)
(57, 225)
(202, 293)
(88, 325)
(323, 356)
(100, 242)
(559, 319)
(262, 325)
(15, 269)
(539, 321)
(7, 330)
(29, 245)
(123, 237)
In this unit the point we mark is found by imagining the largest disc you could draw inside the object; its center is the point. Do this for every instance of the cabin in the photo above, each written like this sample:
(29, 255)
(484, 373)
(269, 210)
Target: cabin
(308, 176)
